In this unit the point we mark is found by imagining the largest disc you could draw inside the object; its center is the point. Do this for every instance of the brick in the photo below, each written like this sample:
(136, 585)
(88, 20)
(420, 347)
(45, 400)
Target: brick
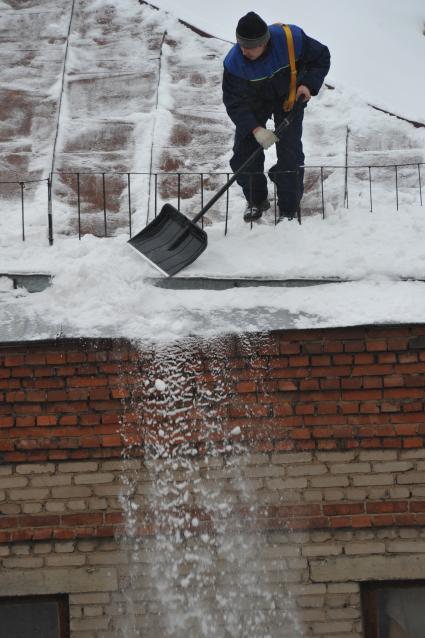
(376, 345)
(92, 479)
(83, 382)
(378, 455)
(89, 624)
(307, 470)
(414, 442)
(85, 519)
(329, 481)
(361, 395)
(392, 466)
(89, 599)
(291, 458)
(12, 397)
(343, 509)
(46, 420)
(77, 505)
(14, 360)
(286, 484)
(108, 558)
(371, 479)
(289, 348)
(364, 548)
(55, 358)
(78, 468)
(354, 346)
(350, 468)
(330, 384)
(50, 481)
(386, 507)
(76, 357)
(330, 628)
(317, 549)
(23, 563)
(406, 429)
(410, 547)
(111, 440)
(326, 444)
(62, 560)
(13, 481)
(411, 477)
(68, 420)
(417, 506)
(47, 383)
(342, 457)
(34, 468)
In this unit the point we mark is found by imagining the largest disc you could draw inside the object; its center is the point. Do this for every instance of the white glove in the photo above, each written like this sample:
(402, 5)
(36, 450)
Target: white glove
(265, 137)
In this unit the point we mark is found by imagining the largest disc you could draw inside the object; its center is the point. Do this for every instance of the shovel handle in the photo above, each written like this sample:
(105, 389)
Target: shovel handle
(284, 124)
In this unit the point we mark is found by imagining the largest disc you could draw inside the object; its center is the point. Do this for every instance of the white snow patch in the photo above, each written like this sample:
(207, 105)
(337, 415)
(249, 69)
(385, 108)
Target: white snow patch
(160, 385)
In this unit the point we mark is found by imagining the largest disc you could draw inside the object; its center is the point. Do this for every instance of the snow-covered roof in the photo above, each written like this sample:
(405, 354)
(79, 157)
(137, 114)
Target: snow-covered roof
(103, 288)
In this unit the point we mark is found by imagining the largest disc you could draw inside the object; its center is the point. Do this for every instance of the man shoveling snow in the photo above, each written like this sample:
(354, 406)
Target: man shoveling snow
(268, 69)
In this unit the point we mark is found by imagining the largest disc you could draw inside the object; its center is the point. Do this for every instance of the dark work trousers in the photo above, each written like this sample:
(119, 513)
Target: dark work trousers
(286, 173)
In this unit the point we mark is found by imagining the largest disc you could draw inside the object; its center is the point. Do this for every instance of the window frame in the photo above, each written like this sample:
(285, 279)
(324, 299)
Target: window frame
(62, 601)
(369, 601)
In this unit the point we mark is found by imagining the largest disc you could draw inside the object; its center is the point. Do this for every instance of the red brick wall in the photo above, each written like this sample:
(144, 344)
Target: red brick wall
(62, 400)
(303, 390)
(338, 391)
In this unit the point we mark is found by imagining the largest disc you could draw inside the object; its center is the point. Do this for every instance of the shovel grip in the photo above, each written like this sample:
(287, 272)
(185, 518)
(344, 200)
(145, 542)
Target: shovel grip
(284, 124)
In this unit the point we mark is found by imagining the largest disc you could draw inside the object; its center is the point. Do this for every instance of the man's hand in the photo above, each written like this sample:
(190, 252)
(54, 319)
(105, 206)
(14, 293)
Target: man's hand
(265, 137)
(303, 90)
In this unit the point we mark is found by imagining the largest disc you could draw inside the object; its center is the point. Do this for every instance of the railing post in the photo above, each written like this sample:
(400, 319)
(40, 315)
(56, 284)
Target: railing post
(420, 183)
(129, 203)
(202, 198)
(104, 205)
(49, 208)
(22, 186)
(227, 205)
(346, 170)
(396, 185)
(370, 189)
(323, 192)
(298, 193)
(178, 190)
(79, 205)
(250, 196)
(156, 194)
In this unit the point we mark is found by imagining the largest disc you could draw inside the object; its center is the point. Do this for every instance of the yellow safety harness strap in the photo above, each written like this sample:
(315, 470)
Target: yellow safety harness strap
(289, 103)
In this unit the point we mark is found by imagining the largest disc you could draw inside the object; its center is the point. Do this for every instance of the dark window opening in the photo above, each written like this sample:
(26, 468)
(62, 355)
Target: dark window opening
(34, 617)
(394, 609)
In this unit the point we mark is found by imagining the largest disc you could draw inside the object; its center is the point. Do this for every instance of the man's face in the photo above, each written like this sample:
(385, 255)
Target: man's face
(254, 53)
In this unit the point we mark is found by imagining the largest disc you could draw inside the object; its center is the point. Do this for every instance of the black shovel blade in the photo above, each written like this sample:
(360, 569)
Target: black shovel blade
(170, 242)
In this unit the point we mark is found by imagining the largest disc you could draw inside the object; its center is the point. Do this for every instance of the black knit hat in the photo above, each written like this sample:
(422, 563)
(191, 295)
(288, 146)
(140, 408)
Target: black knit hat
(252, 31)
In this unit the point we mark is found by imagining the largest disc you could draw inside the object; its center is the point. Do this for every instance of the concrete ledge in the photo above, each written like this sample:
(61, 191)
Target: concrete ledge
(368, 568)
(57, 581)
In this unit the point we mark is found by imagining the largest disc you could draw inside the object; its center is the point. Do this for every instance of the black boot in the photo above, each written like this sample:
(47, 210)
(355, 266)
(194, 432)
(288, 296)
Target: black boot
(254, 211)
(283, 214)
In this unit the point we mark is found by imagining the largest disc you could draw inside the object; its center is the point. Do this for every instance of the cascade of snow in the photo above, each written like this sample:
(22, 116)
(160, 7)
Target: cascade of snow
(199, 568)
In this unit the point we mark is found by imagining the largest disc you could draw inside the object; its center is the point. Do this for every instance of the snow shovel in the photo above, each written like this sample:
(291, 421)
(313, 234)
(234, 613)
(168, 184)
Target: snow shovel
(172, 241)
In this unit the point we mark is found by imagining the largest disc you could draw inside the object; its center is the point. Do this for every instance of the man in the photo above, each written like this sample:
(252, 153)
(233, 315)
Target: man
(257, 85)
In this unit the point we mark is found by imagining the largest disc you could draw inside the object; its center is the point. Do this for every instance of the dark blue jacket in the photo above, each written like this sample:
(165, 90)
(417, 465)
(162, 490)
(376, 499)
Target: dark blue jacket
(253, 90)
